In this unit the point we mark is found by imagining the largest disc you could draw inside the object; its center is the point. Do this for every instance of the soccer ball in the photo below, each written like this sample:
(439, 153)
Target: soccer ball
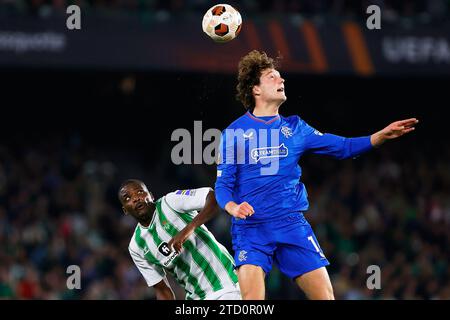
(222, 23)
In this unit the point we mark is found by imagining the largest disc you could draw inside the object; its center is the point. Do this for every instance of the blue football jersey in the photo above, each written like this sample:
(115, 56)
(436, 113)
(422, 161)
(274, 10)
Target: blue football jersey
(258, 163)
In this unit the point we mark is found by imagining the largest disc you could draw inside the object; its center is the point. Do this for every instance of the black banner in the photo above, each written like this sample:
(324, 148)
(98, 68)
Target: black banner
(179, 44)
(222, 309)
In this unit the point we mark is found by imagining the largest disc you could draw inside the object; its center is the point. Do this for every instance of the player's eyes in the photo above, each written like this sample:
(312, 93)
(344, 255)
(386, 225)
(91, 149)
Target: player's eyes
(127, 199)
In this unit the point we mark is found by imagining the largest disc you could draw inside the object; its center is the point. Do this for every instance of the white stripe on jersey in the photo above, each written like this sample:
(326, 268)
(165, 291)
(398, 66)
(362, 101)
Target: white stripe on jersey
(200, 244)
(186, 203)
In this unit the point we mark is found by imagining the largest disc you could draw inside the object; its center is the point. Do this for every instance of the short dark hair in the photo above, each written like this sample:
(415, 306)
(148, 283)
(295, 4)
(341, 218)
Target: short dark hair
(249, 72)
(127, 182)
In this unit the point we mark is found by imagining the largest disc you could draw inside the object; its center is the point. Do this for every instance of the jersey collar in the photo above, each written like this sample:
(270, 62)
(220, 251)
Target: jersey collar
(251, 116)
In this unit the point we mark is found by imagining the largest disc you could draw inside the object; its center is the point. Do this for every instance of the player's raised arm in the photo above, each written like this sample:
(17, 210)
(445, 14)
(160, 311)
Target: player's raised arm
(342, 147)
(208, 211)
(394, 130)
(332, 145)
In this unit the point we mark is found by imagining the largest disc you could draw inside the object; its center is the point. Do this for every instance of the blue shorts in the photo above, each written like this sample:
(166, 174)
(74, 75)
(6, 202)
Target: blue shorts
(289, 241)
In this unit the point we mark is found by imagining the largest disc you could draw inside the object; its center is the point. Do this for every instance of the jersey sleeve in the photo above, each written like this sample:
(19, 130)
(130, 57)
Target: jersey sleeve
(188, 200)
(226, 170)
(151, 273)
(331, 144)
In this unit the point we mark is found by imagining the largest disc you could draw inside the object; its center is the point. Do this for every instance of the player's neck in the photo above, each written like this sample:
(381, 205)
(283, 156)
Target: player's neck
(145, 221)
(267, 110)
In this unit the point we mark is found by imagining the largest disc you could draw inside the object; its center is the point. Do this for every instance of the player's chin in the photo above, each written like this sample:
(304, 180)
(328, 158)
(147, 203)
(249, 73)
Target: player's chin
(142, 212)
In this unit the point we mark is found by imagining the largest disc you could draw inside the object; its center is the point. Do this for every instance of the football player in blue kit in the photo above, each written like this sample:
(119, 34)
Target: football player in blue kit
(258, 182)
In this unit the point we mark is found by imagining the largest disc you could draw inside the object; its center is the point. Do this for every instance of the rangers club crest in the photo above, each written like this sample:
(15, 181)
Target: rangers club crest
(242, 255)
(286, 131)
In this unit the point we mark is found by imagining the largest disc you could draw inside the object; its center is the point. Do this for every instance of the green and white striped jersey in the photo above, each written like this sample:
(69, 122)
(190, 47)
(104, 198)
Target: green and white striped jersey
(203, 267)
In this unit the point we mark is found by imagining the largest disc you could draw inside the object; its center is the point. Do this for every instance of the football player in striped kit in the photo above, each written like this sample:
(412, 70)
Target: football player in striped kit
(171, 237)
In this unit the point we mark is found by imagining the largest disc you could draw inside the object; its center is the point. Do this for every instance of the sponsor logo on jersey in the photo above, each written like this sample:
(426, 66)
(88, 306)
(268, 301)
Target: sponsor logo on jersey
(286, 131)
(164, 249)
(170, 259)
(169, 254)
(269, 152)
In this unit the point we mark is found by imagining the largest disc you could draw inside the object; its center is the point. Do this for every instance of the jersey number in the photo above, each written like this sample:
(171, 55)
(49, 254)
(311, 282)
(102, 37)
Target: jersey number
(310, 238)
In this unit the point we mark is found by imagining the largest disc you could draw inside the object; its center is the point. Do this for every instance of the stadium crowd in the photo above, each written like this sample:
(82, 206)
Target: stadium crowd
(58, 207)
(392, 9)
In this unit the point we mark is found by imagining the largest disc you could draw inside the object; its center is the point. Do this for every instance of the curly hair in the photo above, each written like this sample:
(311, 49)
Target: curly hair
(250, 69)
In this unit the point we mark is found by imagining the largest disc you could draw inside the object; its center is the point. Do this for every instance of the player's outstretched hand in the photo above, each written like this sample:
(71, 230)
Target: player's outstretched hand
(177, 241)
(240, 211)
(394, 130)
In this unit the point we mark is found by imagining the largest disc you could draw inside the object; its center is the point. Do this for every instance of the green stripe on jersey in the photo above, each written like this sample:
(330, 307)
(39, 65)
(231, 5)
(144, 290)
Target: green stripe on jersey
(191, 278)
(147, 254)
(210, 274)
(178, 262)
(183, 266)
(221, 254)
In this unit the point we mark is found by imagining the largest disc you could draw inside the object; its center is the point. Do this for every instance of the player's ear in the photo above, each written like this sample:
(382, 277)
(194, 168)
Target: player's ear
(256, 90)
(124, 211)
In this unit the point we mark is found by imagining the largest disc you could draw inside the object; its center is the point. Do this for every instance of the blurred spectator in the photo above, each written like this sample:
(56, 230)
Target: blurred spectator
(391, 9)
